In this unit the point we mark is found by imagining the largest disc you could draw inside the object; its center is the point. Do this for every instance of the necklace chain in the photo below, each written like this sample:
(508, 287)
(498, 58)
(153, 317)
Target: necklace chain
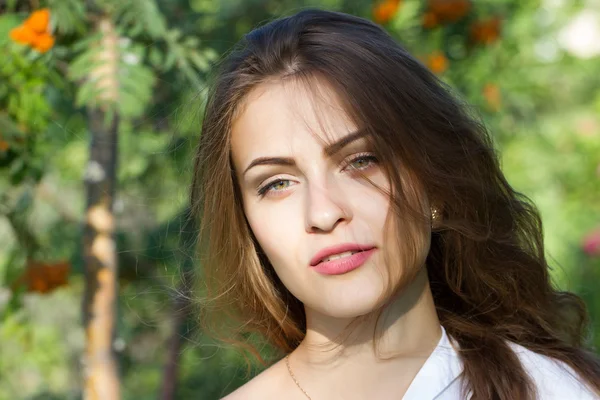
(287, 362)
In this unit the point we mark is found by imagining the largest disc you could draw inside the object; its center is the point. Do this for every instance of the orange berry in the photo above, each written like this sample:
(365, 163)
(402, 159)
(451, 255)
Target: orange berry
(4, 145)
(437, 62)
(491, 92)
(22, 34)
(430, 20)
(460, 9)
(43, 43)
(440, 7)
(44, 277)
(58, 273)
(385, 11)
(39, 20)
(486, 31)
(38, 285)
(449, 10)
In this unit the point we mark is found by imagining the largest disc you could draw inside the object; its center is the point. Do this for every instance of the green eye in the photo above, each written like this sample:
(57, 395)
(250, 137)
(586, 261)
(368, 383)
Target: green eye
(362, 162)
(279, 184)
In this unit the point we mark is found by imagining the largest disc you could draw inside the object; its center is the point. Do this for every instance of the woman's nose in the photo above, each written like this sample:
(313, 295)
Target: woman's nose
(326, 207)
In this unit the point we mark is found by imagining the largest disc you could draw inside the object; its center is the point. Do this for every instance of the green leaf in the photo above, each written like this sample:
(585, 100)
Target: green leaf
(210, 54)
(8, 128)
(408, 16)
(86, 94)
(68, 15)
(7, 22)
(141, 17)
(173, 35)
(199, 61)
(136, 82)
(17, 171)
(170, 59)
(191, 42)
(83, 64)
(156, 57)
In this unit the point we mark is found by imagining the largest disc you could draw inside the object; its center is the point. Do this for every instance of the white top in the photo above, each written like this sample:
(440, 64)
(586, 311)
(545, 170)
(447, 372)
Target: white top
(439, 378)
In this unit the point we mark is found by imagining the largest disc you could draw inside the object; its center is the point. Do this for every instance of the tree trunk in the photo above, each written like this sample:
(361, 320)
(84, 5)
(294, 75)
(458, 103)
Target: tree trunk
(169, 385)
(99, 308)
(100, 253)
(182, 306)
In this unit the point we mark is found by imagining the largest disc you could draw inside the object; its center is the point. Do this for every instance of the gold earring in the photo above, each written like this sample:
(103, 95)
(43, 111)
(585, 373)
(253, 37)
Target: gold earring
(435, 215)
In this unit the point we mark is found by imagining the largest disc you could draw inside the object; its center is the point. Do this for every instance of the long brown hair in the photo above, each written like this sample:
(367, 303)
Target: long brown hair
(487, 268)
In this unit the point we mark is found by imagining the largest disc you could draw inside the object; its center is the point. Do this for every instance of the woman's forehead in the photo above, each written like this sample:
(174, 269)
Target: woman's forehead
(280, 112)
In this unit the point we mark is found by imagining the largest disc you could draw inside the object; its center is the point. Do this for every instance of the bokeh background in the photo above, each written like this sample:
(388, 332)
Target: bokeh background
(79, 76)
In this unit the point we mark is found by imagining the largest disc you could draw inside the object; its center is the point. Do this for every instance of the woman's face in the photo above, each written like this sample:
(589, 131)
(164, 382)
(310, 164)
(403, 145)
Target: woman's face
(306, 199)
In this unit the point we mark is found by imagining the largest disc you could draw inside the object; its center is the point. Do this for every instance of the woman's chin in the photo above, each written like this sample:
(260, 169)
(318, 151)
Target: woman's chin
(349, 312)
(344, 305)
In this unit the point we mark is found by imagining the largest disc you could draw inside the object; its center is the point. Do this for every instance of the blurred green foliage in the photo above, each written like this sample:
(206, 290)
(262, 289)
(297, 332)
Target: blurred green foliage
(536, 90)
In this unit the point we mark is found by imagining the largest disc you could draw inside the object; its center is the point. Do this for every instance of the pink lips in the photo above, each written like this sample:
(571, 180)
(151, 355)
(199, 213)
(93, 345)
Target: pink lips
(344, 264)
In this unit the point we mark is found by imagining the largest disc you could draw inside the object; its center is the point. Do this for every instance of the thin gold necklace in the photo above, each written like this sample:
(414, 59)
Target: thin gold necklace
(287, 362)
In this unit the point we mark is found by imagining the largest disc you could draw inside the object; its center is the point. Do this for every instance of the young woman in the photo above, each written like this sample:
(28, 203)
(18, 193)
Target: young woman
(354, 215)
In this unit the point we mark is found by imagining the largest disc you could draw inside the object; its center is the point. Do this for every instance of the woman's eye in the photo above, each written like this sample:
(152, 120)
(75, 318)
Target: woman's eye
(362, 162)
(276, 186)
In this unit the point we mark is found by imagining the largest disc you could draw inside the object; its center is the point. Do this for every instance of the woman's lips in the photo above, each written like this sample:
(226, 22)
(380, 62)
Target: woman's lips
(344, 264)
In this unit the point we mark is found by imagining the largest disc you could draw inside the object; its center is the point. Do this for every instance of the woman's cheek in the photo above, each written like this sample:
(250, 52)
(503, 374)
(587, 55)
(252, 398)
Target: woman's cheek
(274, 232)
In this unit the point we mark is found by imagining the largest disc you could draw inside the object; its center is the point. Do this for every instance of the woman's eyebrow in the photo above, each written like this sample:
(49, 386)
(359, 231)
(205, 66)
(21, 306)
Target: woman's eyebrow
(337, 146)
(329, 151)
(271, 161)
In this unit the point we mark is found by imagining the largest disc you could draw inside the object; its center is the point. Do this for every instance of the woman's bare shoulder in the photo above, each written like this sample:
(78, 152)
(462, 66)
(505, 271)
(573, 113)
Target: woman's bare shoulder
(272, 383)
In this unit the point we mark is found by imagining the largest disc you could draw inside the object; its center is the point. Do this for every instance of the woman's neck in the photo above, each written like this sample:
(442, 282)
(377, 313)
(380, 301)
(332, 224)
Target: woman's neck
(408, 328)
